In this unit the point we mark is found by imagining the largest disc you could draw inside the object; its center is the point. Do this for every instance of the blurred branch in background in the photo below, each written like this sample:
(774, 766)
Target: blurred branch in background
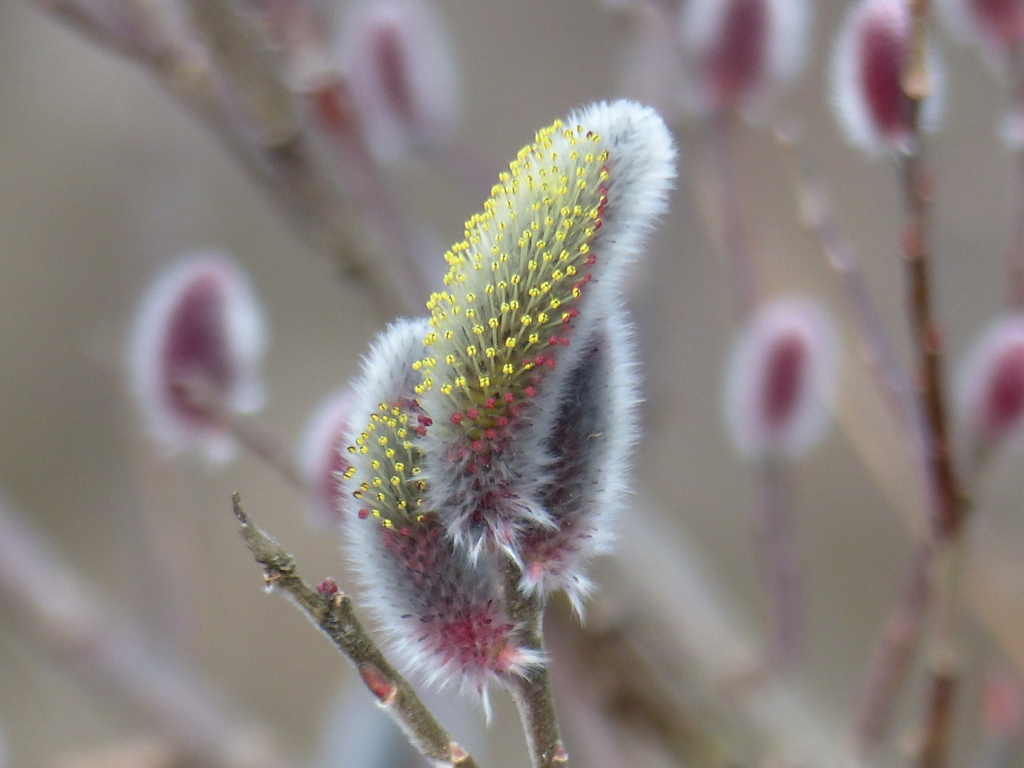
(220, 66)
(114, 657)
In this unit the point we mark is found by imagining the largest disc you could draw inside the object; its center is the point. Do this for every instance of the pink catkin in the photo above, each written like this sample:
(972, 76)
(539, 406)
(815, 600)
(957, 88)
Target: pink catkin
(402, 74)
(780, 379)
(785, 380)
(1005, 394)
(991, 401)
(998, 25)
(196, 347)
(870, 53)
(882, 54)
(737, 61)
(194, 354)
(738, 50)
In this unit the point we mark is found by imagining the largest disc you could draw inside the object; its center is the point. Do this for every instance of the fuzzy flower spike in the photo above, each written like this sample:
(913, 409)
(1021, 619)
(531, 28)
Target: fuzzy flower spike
(504, 421)
(539, 270)
(443, 614)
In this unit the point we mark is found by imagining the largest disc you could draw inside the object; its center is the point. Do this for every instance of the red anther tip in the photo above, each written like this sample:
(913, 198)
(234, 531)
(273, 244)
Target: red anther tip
(363, 514)
(490, 403)
(530, 392)
(472, 414)
(403, 531)
(509, 397)
(456, 418)
(421, 431)
(490, 434)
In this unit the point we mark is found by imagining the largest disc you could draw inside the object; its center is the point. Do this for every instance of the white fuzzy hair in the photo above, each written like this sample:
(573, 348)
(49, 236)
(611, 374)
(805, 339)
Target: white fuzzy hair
(589, 452)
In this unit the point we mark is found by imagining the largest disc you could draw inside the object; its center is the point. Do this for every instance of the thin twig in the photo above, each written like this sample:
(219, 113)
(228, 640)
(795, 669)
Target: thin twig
(742, 272)
(894, 652)
(898, 644)
(259, 440)
(947, 521)
(890, 374)
(115, 656)
(332, 612)
(777, 539)
(532, 692)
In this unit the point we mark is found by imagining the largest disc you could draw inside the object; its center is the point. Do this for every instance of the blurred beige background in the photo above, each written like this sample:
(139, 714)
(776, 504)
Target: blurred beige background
(104, 178)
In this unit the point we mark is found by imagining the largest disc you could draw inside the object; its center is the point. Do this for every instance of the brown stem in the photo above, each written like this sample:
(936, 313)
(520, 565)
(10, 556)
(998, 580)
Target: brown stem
(332, 612)
(532, 692)
(947, 520)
